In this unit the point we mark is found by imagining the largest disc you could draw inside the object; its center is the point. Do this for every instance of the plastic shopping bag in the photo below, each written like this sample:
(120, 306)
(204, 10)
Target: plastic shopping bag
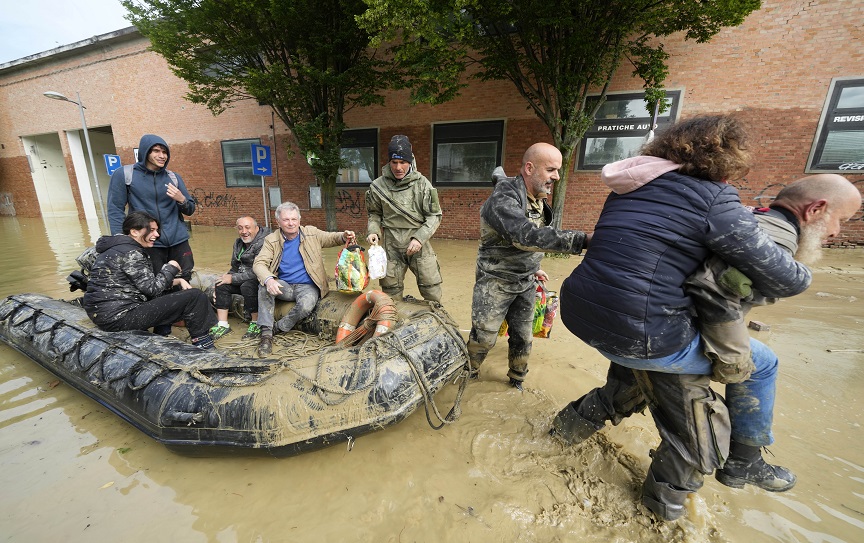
(540, 307)
(543, 322)
(352, 274)
(377, 261)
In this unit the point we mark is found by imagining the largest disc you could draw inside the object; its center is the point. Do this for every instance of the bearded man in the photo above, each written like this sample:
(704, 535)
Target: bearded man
(630, 299)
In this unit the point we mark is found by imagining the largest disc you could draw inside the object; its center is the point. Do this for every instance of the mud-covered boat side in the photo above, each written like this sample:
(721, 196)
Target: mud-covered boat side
(208, 403)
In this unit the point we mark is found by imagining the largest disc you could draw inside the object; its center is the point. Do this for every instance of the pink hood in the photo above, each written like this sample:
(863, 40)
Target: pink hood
(631, 173)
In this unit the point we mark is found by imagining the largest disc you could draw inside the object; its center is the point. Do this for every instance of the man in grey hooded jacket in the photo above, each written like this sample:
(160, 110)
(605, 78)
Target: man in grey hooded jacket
(153, 188)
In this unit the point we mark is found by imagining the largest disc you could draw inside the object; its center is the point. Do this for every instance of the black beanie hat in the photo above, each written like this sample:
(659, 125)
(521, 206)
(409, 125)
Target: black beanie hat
(400, 148)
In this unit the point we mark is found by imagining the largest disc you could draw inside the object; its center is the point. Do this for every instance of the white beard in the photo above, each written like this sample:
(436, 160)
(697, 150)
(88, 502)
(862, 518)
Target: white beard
(810, 250)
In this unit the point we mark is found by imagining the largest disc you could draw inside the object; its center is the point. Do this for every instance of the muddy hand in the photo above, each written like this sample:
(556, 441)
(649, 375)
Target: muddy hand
(413, 247)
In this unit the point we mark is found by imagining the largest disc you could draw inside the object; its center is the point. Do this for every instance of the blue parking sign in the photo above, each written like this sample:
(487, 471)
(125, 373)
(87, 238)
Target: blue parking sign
(112, 162)
(261, 163)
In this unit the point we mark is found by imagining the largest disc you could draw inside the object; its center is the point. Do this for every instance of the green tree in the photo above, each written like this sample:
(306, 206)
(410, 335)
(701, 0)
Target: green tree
(307, 59)
(555, 52)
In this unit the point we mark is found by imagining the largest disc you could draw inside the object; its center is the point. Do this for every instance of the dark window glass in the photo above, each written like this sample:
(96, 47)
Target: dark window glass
(839, 142)
(466, 153)
(359, 155)
(620, 128)
(237, 161)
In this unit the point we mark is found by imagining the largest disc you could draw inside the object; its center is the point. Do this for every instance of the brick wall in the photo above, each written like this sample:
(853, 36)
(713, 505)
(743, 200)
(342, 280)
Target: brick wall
(774, 71)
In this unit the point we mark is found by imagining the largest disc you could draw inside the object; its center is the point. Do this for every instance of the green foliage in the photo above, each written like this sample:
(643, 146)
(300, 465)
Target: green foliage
(553, 51)
(308, 60)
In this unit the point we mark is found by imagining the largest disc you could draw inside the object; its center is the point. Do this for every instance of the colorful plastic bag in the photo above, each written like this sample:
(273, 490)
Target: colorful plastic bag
(352, 273)
(541, 314)
(543, 322)
(377, 261)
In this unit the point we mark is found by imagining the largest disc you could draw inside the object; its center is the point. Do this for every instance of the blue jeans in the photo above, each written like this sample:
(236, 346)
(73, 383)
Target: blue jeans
(305, 297)
(750, 404)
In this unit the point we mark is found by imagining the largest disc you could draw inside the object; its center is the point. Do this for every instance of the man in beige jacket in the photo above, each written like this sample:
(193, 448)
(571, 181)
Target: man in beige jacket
(290, 267)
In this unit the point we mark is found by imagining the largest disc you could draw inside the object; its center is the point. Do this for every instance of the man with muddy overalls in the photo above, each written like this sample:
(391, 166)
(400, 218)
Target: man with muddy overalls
(404, 213)
(514, 233)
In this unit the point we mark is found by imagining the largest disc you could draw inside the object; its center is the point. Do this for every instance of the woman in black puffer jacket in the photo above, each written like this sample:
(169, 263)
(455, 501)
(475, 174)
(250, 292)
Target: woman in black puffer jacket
(123, 293)
(627, 299)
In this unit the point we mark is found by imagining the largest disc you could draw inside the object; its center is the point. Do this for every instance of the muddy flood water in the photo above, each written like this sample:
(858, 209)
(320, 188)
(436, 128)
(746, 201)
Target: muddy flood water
(73, 471)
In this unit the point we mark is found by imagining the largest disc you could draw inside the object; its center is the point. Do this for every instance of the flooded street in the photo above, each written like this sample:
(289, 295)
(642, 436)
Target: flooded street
(73, 471)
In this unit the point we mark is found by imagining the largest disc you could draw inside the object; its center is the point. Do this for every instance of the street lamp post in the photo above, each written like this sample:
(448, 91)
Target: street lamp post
(57, 96)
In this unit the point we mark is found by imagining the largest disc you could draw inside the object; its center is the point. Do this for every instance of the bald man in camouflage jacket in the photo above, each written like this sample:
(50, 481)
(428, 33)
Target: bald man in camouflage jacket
(514, 233)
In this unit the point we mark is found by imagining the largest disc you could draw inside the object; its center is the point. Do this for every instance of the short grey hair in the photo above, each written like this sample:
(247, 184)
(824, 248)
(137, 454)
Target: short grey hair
(254, 222)
(286, 206)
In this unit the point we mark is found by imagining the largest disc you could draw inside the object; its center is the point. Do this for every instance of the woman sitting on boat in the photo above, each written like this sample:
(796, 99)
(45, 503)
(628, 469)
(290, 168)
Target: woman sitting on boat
(124, 293)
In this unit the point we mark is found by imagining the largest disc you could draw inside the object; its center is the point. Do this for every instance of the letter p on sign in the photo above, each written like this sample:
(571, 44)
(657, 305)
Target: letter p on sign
(261, 164)
(112, 162)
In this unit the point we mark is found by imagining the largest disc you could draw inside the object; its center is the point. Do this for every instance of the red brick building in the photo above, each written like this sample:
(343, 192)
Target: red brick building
(794, 71)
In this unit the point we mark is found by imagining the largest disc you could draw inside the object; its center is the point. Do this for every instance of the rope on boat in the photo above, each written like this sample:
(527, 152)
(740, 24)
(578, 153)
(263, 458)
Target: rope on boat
(304, 345)
(425, 387)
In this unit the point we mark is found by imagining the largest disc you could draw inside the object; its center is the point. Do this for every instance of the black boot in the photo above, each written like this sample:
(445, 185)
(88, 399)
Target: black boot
(663, 499)
(570, 427)
(746, 466)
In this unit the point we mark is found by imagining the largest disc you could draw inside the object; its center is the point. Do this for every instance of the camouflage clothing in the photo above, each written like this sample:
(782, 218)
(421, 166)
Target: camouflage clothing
(514, 232)
(123, 293)
(400, 210)
(722, 296)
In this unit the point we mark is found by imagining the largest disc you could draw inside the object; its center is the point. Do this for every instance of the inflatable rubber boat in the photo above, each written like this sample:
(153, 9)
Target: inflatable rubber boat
(205, 403)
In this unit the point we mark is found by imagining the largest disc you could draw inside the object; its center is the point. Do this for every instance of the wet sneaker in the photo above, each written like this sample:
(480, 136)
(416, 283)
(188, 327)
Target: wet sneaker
(736, 473)
(253, 331)
(265, 347)
(218, 331)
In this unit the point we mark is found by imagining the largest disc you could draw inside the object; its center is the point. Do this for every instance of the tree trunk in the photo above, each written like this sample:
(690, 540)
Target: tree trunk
(560, 193)
(328, 196)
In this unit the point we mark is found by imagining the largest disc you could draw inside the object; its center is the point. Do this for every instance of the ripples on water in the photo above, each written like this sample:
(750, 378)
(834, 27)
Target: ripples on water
(72, 471)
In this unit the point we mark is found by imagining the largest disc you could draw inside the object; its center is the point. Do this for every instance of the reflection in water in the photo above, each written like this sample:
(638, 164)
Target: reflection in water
(73, 471)
(67, 239)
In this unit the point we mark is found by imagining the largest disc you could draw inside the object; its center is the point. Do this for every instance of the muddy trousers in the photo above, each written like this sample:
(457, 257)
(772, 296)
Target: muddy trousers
(249, 291)
(423, 264)
(191, 306)
(494, 301)
(692, 420)
(305, 297)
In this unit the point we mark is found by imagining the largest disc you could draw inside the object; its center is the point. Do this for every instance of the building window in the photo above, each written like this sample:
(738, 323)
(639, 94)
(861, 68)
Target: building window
(237, 160)
(466, 153)
(839, 142)
(359, 156)
(620, 128)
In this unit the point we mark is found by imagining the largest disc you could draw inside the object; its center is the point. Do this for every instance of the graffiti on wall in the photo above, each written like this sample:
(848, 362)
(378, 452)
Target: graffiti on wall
(209, 199)
(347, 202)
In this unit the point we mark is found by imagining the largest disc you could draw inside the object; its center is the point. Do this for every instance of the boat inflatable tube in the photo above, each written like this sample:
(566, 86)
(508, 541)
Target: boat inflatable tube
(207, 403)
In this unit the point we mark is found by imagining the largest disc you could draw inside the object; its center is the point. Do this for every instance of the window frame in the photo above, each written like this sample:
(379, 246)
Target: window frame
(371, 139)
(226, 165)
(467, 132)
(641, 125)
(827, 125)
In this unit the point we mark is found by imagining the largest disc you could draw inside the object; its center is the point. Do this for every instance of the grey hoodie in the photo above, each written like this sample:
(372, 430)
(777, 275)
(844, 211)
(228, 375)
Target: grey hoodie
(147, 193)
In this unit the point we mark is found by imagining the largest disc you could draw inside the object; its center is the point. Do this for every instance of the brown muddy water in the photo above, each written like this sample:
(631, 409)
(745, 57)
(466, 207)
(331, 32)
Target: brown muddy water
(73, 471)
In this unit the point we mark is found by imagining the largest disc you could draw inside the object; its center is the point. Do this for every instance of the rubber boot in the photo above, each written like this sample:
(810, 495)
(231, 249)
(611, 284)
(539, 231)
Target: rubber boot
(664, 500)
(746, 466)
(570, 427)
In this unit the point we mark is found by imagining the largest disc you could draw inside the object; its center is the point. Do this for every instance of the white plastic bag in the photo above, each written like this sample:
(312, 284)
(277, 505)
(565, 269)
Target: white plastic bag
(377, 262)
